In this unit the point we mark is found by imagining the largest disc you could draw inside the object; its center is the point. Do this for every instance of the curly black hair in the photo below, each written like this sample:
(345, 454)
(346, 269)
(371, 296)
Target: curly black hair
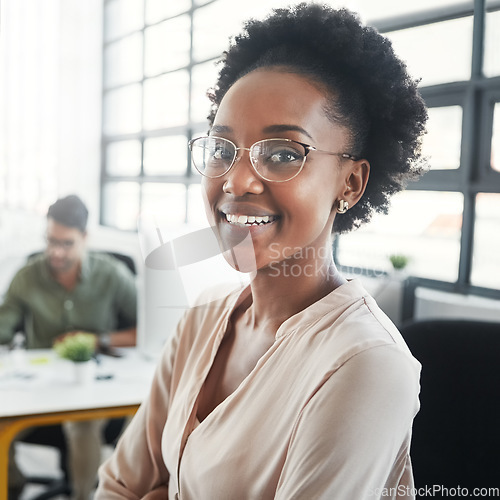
(370, 90)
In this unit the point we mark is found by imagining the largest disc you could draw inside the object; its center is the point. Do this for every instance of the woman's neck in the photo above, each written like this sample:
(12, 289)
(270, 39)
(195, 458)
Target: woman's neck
(287, 287)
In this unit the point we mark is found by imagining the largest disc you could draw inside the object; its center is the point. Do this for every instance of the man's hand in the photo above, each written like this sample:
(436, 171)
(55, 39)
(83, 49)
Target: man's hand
(70, 334)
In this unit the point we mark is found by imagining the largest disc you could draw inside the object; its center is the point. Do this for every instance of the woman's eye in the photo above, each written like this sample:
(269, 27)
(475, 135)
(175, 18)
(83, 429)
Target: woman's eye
(221, 153)
(218, 154)
(284, 156)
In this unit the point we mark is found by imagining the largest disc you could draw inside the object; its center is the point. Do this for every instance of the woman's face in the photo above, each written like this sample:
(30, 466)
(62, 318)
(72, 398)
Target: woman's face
(269, 104)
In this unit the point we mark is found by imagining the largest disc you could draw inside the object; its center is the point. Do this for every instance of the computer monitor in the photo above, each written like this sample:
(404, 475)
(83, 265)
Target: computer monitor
(178, 265)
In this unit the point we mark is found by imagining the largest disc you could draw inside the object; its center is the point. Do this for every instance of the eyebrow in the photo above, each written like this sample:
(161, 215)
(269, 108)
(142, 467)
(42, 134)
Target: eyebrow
(286, 128)
(220, 129)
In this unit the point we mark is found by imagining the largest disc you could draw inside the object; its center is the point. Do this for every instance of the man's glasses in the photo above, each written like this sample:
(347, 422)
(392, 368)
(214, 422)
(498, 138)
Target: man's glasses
(275, 160)
(56, 243)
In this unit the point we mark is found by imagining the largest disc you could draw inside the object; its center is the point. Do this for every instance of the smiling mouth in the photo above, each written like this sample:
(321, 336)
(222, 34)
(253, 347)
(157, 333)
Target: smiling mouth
(249, 220)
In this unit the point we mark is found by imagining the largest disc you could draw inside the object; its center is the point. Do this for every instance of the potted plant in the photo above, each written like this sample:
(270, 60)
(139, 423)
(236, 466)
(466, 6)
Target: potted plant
(79, 348)
(399, 261)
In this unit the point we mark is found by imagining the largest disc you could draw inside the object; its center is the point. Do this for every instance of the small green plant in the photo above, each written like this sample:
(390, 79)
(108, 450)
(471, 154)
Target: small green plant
(399, 261)
(79, 347)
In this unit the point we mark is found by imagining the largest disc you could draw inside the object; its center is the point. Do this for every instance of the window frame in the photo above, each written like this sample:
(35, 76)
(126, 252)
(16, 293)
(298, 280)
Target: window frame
(477, 97)
(189, 177)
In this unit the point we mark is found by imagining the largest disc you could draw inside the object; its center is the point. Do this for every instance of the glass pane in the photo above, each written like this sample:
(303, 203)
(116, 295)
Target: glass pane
(166, 100)
(486, 257)
(211, 38)
(157, 10)
(166, 202)
(391, 8)
(123, 61)
(444, 50)
(167, 45)
(165, 155)
(424, 225)
(123, 158)
(213, 24)
(203, 77)
(122, 110)
(196, 207)
(122, 17)
(443, 139)
(492, 44)
(121, 205)
(495, 140)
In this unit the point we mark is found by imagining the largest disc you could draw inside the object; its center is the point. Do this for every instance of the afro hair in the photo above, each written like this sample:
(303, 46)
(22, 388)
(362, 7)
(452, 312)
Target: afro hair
(370, 91)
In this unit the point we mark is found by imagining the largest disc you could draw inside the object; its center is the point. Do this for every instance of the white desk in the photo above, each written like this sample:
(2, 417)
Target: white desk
(42, 391)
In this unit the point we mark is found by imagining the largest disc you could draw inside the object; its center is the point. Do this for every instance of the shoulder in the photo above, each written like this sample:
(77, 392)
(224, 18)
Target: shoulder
(216, 301)
(30, 272)
(358, 350)
(211, 308)
(349, 323)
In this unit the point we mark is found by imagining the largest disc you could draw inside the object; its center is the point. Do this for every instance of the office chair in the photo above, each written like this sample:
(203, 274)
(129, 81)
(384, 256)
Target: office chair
(456, 434)
(52, 435)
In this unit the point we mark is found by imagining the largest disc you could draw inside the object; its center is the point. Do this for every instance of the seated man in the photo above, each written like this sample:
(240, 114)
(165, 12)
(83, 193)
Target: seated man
(63, 291)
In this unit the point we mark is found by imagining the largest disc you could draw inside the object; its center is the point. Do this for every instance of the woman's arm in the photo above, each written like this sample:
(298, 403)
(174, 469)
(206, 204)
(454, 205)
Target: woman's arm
(352, 437)
(136, 469)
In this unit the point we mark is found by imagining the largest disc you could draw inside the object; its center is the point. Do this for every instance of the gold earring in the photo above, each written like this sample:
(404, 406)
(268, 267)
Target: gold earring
(343, 207)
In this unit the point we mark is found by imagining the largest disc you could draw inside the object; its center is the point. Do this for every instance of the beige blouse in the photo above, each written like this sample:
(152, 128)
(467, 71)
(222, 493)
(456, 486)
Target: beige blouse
(325, 414)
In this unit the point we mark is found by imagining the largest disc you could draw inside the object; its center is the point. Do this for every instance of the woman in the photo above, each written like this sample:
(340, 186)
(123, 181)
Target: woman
(298, 386)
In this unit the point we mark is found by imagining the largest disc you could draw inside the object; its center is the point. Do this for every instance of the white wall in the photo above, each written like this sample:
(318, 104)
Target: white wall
(50, 113)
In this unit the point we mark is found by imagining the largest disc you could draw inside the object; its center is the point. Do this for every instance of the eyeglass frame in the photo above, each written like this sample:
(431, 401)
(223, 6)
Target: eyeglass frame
(65, 245)
(308, 148)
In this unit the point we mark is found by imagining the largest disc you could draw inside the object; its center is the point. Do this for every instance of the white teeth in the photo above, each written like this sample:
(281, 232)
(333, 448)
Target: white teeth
(249, 219)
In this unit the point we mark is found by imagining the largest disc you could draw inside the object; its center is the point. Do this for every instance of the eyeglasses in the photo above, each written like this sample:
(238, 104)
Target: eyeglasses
(275, 160)
(56, 243)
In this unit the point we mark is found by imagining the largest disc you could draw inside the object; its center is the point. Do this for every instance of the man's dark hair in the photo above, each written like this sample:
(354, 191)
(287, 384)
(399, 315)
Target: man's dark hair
(69, 211)
(368, 88)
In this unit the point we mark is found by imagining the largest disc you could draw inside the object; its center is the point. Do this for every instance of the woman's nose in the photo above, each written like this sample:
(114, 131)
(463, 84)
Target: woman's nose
(242, 177)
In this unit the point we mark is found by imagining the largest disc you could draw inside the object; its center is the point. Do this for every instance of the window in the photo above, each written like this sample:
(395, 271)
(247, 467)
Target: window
(447, 222)
(492, 42)
(159, 61)
(444, 50)
(442, 142)
(495, 140)
(424, 225)
(486, 257)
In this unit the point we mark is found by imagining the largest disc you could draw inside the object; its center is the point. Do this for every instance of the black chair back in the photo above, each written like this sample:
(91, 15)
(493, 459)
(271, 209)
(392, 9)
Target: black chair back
(456, 434)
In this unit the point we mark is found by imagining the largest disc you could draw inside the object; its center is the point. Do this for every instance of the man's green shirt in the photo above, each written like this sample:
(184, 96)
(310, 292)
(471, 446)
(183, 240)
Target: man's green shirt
(43, 309)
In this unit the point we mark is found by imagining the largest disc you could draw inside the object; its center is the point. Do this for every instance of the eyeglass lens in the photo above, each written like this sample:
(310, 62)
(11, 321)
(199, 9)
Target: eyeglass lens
(273, 159)
(56, 243)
